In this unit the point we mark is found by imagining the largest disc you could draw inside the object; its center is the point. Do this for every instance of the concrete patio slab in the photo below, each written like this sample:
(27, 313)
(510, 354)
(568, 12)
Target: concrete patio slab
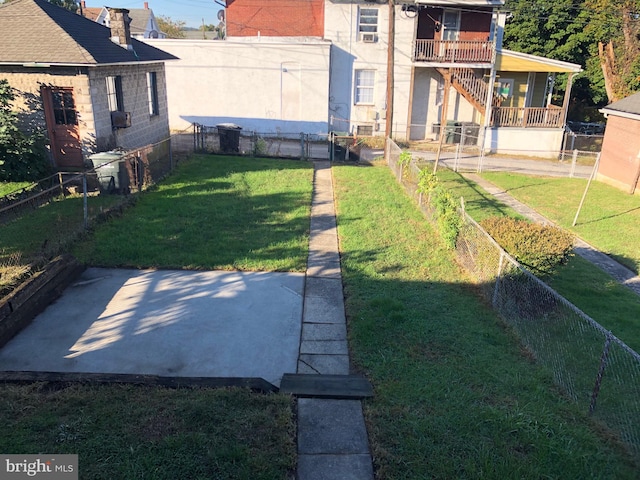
(168, 323)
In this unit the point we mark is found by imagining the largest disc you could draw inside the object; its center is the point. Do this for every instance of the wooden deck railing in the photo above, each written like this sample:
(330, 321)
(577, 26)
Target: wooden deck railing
(536, 117)
(450, 51)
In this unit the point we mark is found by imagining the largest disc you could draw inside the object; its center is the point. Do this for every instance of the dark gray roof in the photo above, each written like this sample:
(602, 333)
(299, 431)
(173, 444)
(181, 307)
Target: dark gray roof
(139, 19)
(630, 104)
(35, 31)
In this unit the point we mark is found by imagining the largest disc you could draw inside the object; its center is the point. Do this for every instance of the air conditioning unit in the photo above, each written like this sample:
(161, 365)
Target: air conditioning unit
(120, 119)
(369, 38)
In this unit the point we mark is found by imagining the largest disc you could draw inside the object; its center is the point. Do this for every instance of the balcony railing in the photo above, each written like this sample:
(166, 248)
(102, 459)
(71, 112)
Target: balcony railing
(452, 51)
(536, 117)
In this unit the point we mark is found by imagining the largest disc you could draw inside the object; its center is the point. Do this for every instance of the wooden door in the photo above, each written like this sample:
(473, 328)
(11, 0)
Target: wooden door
(62, 124)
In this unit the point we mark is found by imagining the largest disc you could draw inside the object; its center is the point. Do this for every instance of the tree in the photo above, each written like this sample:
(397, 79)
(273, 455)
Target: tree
(615, 28)
(172, 28)
(22, 157)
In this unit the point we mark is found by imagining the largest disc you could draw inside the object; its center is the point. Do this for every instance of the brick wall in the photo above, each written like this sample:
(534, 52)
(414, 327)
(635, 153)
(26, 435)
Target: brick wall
(275, 18)
(619, 162)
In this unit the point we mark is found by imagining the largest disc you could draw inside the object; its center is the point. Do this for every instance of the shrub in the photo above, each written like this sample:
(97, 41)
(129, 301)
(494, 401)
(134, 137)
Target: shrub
(22, 157)
(448, 219)
(541, 248)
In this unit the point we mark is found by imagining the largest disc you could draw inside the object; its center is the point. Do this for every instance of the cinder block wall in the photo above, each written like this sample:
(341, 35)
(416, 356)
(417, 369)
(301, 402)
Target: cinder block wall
(145, 128)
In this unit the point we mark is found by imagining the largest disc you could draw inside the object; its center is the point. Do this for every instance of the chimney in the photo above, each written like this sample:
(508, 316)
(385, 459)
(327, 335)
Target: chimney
(119, 23)
(146, 5)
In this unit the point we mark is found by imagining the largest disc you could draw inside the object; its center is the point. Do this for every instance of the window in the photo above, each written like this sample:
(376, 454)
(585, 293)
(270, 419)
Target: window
(364, 86)
(368, 21)
(364, 130)
(114, 94)
(64, 108)
(152, 90)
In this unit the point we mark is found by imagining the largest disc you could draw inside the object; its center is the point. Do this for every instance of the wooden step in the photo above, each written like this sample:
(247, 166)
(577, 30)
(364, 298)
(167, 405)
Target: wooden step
(326, 386)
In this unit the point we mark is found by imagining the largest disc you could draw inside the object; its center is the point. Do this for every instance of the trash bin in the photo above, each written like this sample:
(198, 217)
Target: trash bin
(469, 133)
(452, 132)
(338, 146)
(229, 137)
(111, 172)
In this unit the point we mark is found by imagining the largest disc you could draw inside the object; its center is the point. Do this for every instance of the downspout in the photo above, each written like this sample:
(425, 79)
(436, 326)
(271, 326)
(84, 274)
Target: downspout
(567, 97)
(388, 131)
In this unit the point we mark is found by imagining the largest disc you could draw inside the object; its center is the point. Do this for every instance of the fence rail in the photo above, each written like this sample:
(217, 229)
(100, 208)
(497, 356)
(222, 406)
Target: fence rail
(590, 364)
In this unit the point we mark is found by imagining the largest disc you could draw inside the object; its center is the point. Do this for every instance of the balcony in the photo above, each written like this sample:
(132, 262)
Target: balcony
(453, 51)
(531, 117)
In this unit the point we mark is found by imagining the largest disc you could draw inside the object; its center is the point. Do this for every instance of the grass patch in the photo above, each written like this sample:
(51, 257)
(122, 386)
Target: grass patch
(609, 220)
(214, 213)
(150, 432)
(455, 395)
(10, 187)
(592, 290)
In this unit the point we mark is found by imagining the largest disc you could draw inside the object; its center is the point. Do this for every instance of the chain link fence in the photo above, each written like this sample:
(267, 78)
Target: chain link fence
(233, 140)
(42, 220)
(591, 365)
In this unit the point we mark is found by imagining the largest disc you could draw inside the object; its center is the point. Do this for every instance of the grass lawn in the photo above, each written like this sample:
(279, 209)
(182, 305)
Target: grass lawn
(214, 212)
(455, 395)
(10, 187)
(589, 288)
(126, 432)
(609, 220)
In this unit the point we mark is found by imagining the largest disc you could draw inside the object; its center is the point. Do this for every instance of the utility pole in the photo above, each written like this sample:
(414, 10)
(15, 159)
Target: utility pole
(390, 68)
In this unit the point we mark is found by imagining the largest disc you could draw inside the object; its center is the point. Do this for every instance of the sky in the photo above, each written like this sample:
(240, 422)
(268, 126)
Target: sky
(189, 11)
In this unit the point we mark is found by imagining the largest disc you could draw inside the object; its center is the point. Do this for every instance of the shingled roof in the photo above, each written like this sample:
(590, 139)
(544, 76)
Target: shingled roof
(629, 105)
(35, 31)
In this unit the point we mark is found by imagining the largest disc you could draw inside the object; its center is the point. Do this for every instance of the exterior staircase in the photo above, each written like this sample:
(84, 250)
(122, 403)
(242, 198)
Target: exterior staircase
(468, 84)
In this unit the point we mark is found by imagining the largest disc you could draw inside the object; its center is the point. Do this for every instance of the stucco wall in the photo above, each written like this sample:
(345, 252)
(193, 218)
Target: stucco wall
(28, 81)
(349, 53)
(534, 142)
(263, 85)
(620, 158)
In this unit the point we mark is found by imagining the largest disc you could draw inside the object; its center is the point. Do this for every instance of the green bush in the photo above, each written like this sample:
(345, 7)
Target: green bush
(541, 248)
(445, 206)
(22, 157)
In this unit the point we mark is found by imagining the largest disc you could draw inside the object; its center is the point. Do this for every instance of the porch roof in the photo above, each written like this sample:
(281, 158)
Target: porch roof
(510, 61)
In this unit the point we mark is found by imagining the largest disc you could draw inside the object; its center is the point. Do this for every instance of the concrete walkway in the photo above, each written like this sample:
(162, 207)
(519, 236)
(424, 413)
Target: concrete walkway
(619, 272)
(332, 437)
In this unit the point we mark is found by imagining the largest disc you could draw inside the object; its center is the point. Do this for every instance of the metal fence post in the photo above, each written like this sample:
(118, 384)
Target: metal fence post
(170, 156)
(195, 148)
(61, 184)
(603, 364)
(302, 156)
(457, 159)
(494, 299)
(574, 160)
(85, 205)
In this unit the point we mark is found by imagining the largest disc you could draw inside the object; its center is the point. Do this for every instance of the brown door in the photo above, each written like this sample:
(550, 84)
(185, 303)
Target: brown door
(62, 124)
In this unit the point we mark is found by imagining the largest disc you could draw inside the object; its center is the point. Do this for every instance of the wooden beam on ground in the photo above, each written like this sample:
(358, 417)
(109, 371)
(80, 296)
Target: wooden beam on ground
(326, 386)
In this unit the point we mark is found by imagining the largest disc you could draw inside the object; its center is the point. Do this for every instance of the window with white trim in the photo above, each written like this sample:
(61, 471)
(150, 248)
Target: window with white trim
(114, 94)
(368, 20)
(152, 93)
(364, 83)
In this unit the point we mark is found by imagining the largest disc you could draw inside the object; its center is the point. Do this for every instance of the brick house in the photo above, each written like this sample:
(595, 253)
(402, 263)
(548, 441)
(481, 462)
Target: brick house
(275, 18)
(92, 88)
(620, 158)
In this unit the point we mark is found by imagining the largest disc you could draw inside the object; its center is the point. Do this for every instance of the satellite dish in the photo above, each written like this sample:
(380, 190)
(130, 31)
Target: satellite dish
(221, 15)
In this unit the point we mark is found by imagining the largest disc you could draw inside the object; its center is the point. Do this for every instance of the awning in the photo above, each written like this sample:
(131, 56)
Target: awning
(510, 61)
